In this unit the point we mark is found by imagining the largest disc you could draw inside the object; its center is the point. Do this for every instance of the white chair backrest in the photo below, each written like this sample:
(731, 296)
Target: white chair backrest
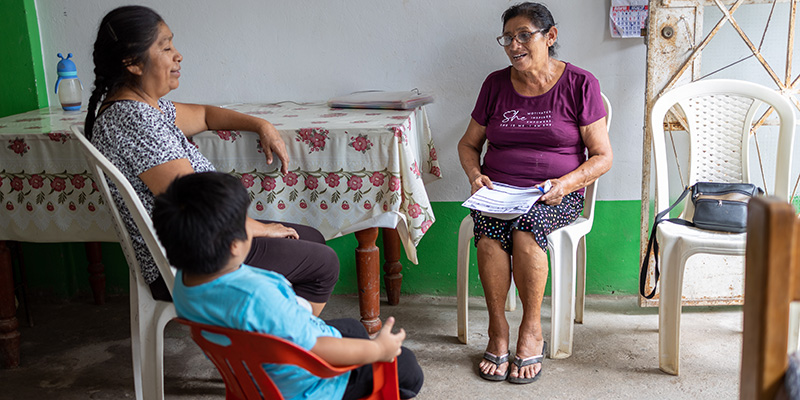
(719, 114)
(103, 169)
(590, 193)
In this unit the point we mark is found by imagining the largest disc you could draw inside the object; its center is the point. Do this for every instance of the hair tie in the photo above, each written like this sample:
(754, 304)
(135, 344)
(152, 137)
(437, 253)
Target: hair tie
(111, 30)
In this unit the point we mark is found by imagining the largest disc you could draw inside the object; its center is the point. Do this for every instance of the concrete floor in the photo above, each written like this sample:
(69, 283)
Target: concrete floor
(81, 351)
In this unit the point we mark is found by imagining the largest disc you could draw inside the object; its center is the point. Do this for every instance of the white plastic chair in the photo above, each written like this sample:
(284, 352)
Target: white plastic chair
(148, 316)
(719, 114)
(567, 247)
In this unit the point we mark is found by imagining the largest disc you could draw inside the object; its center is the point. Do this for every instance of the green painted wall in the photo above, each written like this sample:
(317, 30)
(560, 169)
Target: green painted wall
(22, 85)
(59, 270)
(612, 266)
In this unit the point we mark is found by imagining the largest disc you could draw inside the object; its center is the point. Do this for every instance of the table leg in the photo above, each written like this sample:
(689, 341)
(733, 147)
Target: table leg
(368, 276)
(9, 335)
(392, 278)
(23, 279)
(97, 277)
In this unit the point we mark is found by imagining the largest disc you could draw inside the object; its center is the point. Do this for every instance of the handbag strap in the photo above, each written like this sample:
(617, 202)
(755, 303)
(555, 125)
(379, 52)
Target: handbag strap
(652, 244)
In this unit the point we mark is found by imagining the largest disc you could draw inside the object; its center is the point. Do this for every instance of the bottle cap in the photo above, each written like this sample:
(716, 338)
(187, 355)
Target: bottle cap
(66, 68)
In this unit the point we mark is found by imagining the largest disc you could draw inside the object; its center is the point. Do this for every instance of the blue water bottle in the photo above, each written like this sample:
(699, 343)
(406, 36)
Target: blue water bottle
(68, 86)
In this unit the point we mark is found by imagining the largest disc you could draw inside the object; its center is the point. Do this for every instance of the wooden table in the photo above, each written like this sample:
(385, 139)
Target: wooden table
(351, 171)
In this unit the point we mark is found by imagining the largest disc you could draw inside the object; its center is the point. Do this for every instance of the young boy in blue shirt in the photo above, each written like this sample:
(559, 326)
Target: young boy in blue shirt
(200, 221)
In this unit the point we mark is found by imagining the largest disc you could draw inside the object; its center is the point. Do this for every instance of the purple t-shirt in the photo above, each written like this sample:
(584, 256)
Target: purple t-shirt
(533, 139)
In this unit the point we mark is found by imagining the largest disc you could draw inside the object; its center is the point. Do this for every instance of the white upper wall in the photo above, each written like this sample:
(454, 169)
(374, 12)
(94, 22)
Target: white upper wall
(311, 50)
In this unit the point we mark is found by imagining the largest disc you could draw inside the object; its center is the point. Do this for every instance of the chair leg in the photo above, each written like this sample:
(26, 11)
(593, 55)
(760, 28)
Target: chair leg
(148, 359)
(23, 278)
(580, 280)
(148, 343)
(136, 337)
(462, 278)
(669, 308)
(511, 299)
(152, 354)
(385, 373)
(794, 327)
(562, 259)
(148, 320)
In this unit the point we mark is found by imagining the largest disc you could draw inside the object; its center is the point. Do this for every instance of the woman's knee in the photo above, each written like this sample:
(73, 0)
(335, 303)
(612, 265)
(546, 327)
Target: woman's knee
(329, 261)
(491, 256)
(318, 282)
(526, 247)
(487, 245)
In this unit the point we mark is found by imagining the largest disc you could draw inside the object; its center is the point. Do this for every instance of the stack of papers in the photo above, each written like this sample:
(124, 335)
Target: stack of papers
(505, 201)
(385, 100)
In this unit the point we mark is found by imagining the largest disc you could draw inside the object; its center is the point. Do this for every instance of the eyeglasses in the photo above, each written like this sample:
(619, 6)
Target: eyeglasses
(522, 37)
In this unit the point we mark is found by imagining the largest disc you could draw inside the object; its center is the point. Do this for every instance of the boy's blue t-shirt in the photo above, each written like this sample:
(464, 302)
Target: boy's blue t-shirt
(252, 299)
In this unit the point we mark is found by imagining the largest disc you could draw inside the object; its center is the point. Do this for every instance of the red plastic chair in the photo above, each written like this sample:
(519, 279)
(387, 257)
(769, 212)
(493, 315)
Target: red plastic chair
(240, 363)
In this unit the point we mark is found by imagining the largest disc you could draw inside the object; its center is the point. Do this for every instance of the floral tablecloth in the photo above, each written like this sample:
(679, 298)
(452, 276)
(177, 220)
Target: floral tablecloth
(46, 193)
(349, 170)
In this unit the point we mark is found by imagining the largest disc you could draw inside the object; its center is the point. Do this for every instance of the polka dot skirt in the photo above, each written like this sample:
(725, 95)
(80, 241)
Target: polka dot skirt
(540, 220)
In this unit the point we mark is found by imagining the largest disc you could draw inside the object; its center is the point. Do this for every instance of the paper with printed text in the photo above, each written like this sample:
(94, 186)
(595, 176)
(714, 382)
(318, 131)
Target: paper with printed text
(505, 201)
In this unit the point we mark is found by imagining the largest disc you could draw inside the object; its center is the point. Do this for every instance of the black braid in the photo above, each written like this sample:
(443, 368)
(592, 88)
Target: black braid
(97, 93)
(123, 38)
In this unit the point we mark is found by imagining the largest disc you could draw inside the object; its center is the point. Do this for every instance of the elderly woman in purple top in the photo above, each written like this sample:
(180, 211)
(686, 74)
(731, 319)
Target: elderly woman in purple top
(544, 120)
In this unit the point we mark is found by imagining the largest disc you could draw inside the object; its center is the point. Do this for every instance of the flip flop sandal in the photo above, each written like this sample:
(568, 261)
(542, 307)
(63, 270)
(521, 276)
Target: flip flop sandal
(519, 362)
(496, 361)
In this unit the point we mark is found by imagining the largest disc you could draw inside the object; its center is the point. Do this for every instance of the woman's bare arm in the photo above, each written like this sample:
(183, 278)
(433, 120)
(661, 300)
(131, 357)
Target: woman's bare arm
(598, 146)
(195, 118)
(469, 152)
(159, 177)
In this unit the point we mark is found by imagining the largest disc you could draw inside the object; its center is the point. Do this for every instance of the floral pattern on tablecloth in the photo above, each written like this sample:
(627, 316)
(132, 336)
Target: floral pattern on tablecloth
(49, 190)
(314, 138)
(354, 188)
(348, 168)
(18, 146)
(46, 191)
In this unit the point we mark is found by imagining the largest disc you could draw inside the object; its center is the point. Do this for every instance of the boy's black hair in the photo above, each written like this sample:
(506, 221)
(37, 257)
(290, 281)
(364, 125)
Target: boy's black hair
(197, 219)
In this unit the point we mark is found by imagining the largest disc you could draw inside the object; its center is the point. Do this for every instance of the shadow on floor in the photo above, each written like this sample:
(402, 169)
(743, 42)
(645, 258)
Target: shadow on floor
(78, 350)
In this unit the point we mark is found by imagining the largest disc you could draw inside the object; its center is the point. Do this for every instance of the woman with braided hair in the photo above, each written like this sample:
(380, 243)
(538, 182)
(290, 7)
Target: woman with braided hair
(145, 136)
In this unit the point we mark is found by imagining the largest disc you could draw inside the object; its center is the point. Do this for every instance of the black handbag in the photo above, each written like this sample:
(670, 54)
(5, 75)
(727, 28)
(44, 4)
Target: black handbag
(720, 207)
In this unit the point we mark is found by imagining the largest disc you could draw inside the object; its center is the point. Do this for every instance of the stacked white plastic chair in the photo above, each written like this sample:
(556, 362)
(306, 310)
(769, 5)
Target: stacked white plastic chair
(719, 114)
(567, 247)
(148, 316)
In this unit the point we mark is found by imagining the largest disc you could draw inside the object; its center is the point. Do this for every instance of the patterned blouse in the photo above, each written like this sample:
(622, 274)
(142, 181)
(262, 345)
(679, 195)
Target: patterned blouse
(135, 137)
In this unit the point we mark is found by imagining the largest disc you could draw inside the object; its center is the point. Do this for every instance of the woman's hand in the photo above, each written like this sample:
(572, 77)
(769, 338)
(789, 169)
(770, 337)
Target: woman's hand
(272, 142)
(479, 182)
(271, 230)
(195, 118)
(389, 343)
(557, 192)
